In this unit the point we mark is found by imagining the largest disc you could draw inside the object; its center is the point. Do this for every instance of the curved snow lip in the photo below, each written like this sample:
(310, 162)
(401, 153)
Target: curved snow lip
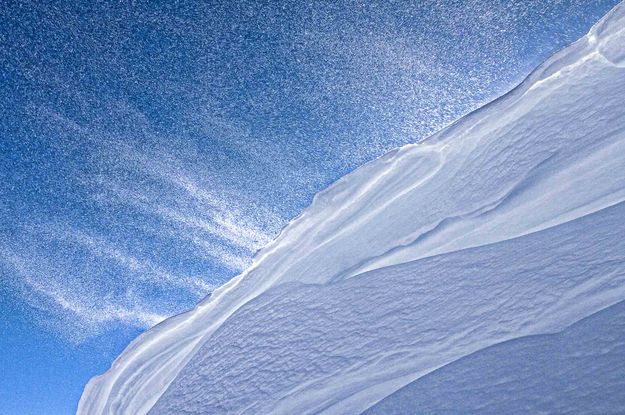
(413, 177)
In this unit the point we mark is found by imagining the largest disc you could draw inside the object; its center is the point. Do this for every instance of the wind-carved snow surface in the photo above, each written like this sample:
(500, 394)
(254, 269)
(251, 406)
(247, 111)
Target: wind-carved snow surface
(506, 224)
(579, 370)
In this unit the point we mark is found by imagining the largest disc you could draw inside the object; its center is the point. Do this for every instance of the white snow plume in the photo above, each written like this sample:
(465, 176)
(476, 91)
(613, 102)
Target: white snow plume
(507, 223)
(51, 290)
(151, 232)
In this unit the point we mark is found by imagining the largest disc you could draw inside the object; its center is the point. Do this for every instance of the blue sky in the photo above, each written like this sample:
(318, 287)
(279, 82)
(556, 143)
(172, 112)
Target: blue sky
(148, 149)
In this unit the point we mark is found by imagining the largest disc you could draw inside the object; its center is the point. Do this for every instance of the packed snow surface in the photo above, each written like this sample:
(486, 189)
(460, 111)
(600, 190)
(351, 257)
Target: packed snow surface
(506, 224)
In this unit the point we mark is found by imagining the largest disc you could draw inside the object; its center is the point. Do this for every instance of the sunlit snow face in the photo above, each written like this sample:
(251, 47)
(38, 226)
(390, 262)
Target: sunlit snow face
(149, 151)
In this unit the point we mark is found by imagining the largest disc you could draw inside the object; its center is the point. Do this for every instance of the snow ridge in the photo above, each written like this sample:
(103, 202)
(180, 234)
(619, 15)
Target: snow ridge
(541, 157)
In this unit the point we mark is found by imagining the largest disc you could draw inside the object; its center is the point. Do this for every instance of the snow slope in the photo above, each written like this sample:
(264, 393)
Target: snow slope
(581, 367)
(339, 348)
(496, 221)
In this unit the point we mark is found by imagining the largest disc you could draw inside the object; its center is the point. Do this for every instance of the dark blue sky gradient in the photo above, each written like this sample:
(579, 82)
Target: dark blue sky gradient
(147, 149)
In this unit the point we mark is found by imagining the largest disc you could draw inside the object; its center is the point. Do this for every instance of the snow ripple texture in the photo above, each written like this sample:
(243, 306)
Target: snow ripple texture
(506, 224)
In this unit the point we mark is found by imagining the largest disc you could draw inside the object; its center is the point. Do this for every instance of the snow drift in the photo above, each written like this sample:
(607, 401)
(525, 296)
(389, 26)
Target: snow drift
(506, 224)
